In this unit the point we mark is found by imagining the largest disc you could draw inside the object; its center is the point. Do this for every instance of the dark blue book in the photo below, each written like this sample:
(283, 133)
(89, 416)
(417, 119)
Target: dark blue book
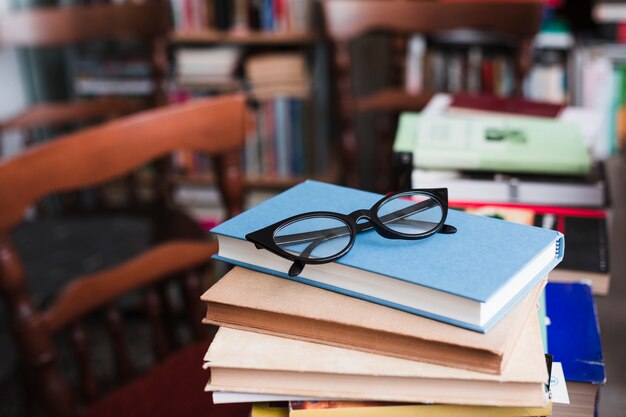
(573, 332)
(469, 279)
(267, 15)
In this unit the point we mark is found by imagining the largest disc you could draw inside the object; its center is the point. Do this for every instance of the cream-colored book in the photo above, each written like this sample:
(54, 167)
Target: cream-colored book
(250, 300)
(243, 361)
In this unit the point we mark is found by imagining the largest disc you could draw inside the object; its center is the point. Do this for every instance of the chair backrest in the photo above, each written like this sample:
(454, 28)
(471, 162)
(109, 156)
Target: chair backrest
(215, 126)
(56, 26)
(148, 22)
(347, 20)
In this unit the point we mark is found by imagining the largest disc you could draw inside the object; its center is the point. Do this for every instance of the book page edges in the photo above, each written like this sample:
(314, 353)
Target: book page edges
(246, 350)
(377, 388)
(284, 297)
(413, 349)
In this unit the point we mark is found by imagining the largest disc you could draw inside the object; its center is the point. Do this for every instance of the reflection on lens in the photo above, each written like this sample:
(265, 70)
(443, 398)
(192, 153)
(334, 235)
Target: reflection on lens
(411, 213)
(314, 237)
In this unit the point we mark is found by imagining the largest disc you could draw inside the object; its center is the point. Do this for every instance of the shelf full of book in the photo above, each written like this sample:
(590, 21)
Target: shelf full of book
(242, 20)
(283, 69)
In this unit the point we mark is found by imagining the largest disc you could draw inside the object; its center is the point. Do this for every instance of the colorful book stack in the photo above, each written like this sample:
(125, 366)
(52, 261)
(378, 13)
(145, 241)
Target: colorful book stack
(445, 325)
(573, 338)
(587, 256)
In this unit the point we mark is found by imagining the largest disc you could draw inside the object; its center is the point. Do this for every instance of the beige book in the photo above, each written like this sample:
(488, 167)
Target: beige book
(280, 90)
(249, 300)
(267, 70)
(242, 361)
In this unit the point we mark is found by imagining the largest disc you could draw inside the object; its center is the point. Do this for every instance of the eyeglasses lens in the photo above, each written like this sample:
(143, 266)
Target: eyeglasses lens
(313, 237)
(411, 213)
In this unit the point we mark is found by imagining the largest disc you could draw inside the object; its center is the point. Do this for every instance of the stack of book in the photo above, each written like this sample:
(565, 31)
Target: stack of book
(560, 169)
(555, 178)
(207, 68)
(121, 69)
(271, 75)
(573, 338)
(445, 325)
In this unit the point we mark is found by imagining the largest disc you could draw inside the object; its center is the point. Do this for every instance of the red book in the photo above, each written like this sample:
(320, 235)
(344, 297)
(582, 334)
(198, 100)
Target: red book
(486, 72)
(280, 15)
(518, 106)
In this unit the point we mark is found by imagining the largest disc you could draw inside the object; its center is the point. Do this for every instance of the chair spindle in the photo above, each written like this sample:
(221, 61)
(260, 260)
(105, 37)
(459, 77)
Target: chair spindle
(88, 383)
(159, 332)
(115, 326)
(193, 291)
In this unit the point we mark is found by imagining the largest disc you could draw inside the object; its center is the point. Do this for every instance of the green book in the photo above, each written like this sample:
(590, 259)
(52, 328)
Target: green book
(483, 143)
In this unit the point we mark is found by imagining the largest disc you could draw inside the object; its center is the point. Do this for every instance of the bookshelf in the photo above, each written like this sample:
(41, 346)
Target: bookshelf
(273, 160)
(208, 36)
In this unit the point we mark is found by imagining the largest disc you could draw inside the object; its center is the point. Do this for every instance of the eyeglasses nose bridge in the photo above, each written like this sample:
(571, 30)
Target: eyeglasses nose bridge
(361, 214)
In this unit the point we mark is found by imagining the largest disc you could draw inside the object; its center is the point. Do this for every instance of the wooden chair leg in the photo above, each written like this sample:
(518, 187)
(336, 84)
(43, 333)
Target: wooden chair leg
(27, 394)
(193, 291)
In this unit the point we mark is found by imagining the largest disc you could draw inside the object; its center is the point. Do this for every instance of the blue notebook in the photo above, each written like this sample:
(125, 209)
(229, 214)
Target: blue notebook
(469, 279)
(573, 332)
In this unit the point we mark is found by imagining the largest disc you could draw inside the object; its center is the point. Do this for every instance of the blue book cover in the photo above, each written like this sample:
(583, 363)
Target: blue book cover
(573, 332)
(471, 267)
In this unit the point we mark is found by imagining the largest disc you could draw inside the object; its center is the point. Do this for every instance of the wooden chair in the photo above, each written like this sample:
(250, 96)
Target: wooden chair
(347, 20)
(70, 25)
(83, 159)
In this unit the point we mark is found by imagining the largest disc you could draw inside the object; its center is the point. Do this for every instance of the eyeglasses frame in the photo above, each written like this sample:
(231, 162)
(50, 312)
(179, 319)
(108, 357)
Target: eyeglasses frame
(264, 238)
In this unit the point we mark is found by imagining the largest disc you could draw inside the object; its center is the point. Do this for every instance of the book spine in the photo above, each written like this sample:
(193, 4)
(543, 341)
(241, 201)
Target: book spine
(414, 77)
(187, 15)
(261, 135)
(282, 138)
(281, 23)
(240, 16)
(269, 152)
(209, 7)
(454, 73)
(487, 76)
(298, 15)
(296, 132)
(254, 14)
(223, 14)
(176, 14)
(474, 59)
(268, 15)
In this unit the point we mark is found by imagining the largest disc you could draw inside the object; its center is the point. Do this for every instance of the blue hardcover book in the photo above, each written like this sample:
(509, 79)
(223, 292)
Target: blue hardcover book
(268, 15)
(573, 332)
(469, 279)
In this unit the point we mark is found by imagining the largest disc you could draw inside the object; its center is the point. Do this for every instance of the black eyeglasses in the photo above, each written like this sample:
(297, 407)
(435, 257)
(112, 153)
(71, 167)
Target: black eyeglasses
(320, 237)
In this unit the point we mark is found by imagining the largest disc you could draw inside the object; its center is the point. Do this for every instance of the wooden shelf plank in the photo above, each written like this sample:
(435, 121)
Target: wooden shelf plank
(249, 38)
(391, 100)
